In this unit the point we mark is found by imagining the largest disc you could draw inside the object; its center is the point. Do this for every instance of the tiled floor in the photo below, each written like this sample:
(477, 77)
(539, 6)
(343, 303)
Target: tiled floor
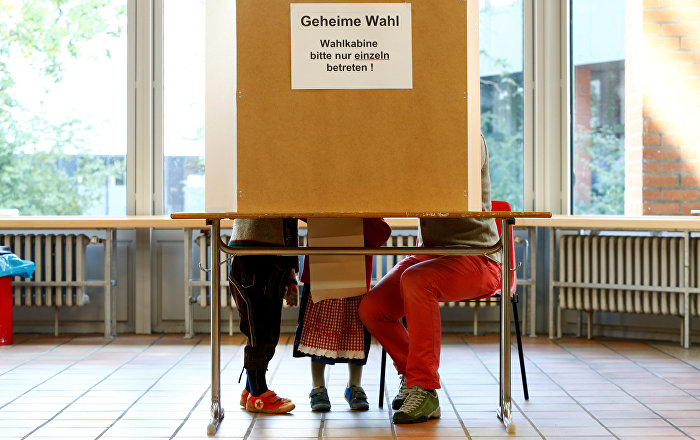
(157, 387)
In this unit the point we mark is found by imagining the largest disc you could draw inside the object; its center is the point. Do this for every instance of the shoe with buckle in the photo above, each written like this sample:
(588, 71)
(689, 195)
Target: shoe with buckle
(268, 402)
(319, 399)
(356, 398)
(246, 393)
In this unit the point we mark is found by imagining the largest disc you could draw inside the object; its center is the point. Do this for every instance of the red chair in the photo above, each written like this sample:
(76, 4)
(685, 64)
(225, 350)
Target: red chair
(496, 205)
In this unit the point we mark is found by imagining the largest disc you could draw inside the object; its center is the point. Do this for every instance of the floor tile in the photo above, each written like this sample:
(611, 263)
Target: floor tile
(157, 386)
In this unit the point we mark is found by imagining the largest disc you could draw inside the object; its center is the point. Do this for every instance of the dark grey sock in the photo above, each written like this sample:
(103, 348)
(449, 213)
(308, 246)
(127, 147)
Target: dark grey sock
(256, 383)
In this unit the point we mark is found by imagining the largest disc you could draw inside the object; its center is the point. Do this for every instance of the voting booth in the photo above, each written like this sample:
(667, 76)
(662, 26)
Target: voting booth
(342, 106)
(344, 110)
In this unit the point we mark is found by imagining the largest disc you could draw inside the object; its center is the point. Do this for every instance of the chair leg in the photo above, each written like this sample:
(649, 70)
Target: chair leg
(383, 371)
(381, 379)
(520, 351)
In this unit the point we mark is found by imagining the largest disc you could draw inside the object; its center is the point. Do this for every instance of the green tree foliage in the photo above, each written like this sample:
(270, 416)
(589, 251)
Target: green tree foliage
(601, 148)
(45, 168)
(604, 155)
(502, 126)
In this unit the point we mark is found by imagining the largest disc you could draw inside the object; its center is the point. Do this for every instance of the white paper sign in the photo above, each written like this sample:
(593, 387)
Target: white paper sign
(351, 46)
(336, 276)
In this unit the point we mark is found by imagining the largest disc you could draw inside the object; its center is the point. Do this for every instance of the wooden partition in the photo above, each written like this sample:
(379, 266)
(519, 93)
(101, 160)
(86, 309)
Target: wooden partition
(411, 148)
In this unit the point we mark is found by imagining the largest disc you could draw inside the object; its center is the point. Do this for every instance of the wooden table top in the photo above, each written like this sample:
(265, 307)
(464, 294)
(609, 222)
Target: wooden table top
(647, 222)
(480, 214)
(88, 222)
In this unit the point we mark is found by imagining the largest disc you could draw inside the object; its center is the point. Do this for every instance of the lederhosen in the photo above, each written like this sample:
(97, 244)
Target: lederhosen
(258, 284)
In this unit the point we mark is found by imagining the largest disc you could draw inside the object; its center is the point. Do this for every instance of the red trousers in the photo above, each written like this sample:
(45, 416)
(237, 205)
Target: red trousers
(413, 288)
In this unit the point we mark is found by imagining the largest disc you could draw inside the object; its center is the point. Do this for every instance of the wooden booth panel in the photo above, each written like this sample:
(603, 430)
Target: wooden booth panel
(396, 150)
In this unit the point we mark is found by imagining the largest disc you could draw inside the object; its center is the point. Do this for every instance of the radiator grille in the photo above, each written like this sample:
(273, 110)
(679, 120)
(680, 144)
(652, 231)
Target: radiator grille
(631, 274)
(60, 269)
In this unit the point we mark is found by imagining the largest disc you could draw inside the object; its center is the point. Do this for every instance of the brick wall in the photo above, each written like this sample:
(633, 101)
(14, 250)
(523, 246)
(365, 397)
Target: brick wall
(662, 107)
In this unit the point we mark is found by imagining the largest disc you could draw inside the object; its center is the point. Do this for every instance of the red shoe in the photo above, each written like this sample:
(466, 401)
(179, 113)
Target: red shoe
(268, 402)
(245, 394)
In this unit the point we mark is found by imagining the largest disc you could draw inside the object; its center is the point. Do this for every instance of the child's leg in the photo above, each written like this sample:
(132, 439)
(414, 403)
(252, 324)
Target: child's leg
(260, 323)
(319, 395)
(318, 370)
(354, 394)
(256, 383)
(354, 374)
(259, 316)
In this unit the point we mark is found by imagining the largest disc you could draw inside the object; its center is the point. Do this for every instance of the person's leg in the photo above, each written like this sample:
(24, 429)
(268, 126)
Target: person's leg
(354, 393)
(354, 374)
(240, 281)
(262, 324)
(318, 371)
(447, 278)
(381, 310)
(266, 315)
(255, 363)
(260, 313)
(318, 396)
(423, 286)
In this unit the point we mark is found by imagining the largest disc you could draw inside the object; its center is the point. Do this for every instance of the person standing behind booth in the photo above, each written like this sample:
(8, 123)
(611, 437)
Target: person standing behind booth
(414, 288)
(330, 331)
(258, 284)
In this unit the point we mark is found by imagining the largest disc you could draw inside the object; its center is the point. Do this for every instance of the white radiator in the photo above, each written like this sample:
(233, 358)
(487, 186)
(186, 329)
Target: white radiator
(60, 276)
(630, 274)
(203, 298)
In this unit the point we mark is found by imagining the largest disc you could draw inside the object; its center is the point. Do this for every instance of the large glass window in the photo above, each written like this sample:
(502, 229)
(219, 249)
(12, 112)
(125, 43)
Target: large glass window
(63, 107)
(183, 106)
(598, 96)
(501, 64)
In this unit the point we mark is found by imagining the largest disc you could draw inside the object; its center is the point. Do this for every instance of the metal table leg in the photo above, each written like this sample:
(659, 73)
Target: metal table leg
(532, 289)
(189, 319)
(686, 295)
(552, 259)
(110, 257)
(217, 411)
(504, 398)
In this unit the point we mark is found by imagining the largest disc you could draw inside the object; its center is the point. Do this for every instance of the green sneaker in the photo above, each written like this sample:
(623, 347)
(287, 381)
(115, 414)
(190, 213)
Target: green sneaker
(401, 396)
(420, 406)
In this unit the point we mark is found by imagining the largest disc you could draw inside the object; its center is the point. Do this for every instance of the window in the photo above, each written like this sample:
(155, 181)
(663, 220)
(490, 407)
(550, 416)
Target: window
(598, 122)
(183, 106)
(501, 64)
(63, 107)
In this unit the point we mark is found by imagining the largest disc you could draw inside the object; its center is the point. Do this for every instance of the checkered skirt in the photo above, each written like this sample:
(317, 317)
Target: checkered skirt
(332, 329)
